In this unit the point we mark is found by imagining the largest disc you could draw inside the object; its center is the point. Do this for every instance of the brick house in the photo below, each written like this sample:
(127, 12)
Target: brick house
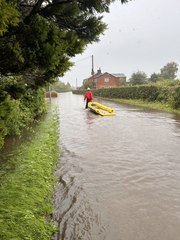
(105, 80)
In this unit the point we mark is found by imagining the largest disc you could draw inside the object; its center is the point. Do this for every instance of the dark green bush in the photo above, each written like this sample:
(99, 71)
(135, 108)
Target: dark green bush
(176, 98)
(51, 94)
(169, 93)
(9, 118)
(33, 104)
(20, 105)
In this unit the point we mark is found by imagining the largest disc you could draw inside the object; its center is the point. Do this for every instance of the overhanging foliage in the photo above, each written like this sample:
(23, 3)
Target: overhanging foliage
(48, 34)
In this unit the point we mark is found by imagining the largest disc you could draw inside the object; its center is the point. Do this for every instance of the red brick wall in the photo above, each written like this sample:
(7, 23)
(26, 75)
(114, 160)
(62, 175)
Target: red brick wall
(113, 81)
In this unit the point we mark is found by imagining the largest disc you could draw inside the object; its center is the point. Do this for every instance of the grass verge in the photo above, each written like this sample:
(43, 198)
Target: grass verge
(145, 104)
(26, 185)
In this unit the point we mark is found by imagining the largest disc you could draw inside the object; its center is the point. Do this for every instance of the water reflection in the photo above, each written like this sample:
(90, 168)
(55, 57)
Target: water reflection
(119, 177)
(91, 117)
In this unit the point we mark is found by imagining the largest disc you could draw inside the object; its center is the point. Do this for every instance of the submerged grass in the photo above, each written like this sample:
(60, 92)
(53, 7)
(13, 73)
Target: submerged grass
(145, 104)
(26, 185)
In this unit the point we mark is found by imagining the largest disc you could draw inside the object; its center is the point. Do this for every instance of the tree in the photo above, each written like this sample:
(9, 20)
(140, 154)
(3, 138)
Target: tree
(9, 16)
(88, 83)
(138, 78)
(59, 86)
(169, 70)
(155, 77)
(49, 33)
(68, 85)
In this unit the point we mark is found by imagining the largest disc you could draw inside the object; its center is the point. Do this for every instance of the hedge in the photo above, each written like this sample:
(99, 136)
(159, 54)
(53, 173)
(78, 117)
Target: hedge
(150, 93)
(20, 105)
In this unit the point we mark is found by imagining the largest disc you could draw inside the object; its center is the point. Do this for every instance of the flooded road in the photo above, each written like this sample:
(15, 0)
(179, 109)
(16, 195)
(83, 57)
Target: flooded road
(119, 177)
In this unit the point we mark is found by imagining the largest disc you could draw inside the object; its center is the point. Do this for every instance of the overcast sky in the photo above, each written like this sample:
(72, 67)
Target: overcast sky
(142, 35)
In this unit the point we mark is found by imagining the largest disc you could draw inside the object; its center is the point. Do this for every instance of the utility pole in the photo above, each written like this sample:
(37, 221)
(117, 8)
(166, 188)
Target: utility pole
(92, 71)
(76, 84)
(50, 93)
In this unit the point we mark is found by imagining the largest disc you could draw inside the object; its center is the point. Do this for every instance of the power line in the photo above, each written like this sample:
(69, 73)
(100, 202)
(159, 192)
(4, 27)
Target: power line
(82, 59)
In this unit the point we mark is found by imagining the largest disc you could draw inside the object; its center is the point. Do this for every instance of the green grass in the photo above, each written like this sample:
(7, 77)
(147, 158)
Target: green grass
(145, 104)
(26, 185)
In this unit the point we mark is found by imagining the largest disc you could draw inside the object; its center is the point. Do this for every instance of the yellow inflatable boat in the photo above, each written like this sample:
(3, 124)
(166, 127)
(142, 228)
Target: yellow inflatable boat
(101, 109)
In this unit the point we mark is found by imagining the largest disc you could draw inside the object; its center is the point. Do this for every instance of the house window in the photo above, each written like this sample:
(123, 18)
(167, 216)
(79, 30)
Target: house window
(95, 80)
(106, 79)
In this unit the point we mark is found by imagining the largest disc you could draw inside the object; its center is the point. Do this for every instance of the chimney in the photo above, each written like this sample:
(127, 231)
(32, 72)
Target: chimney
(99, 71)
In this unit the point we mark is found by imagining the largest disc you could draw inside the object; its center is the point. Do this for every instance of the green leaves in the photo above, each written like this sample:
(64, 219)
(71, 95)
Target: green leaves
(59, 86)
(169, 70)
(40, 39)
(9, 16)
(138, 77)
(166, 94)
(19, 106)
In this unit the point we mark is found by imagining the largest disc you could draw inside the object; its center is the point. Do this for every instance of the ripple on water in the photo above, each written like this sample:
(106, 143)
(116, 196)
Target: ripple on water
(119, 177)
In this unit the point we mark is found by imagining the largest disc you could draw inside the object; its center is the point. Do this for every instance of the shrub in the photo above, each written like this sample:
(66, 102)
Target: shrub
(19, 106)
(9, 118)
(53, 94)
(168, 92)
(176, 98)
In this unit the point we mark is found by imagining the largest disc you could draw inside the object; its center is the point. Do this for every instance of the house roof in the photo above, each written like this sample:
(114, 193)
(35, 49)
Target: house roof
(94, 76)
(118, 74)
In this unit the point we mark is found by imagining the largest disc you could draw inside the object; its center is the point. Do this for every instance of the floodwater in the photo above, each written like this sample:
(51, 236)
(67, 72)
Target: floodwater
(119, 177)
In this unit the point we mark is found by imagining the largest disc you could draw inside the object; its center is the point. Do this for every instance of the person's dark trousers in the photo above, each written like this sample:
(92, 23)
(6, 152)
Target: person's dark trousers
(87, 103)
